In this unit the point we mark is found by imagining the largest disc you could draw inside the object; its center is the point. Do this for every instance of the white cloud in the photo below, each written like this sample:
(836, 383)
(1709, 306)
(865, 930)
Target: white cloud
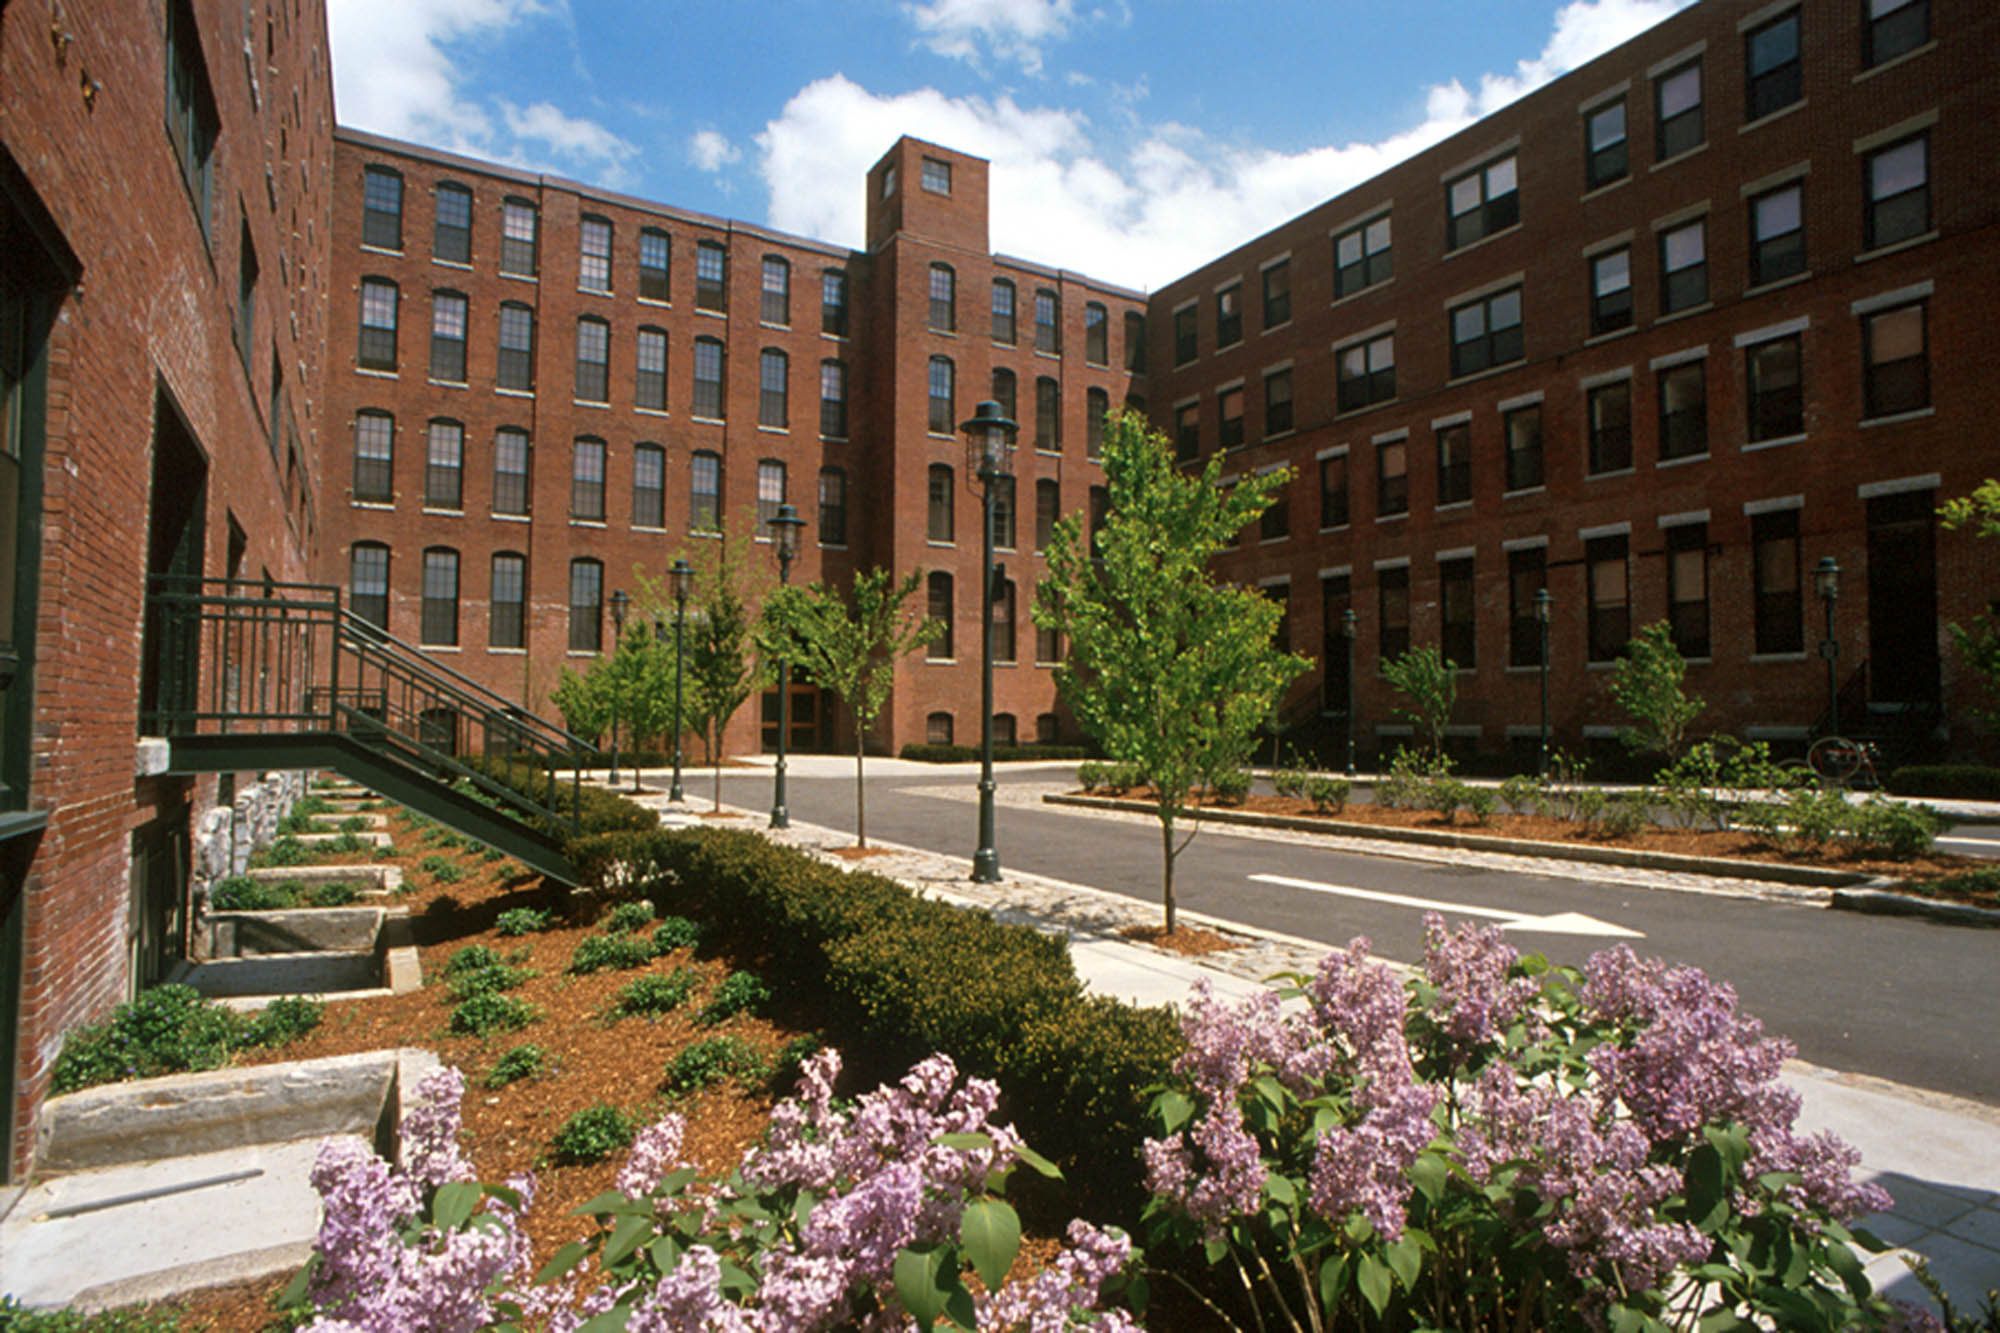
(1167, 203)
(971, 30)
(566, 135)
(711, 150)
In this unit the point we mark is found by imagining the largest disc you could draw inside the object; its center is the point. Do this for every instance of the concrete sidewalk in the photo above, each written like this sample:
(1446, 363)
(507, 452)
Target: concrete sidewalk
(1938, 1156)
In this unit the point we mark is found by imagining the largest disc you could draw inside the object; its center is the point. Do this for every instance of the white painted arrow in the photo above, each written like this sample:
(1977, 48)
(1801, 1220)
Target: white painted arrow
(1562, 923)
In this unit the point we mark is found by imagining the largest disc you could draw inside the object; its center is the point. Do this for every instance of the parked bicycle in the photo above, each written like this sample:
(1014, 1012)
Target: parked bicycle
(1844, 763)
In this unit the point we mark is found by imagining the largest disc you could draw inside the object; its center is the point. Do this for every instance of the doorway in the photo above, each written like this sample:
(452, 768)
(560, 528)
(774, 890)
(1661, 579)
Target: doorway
(157, 916)
(170, 651)
(1903, 665)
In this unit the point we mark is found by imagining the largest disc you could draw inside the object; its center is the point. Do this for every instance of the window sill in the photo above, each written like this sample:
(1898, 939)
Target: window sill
(709, 421)
(655, 302)
(593, 291)
(1896, 247)
(1770, 116)
(711, 312)
(940, 661)
(1534, 670)
(1231, 346)
(833, 546)
(1338, 527)
(1393, 518)
(1485, 374)
(1686, 312)
(652, 411)
(1470, 246)
(763, 429)
(833, 439)
(1048, 453)
(1353, 412)
(1902, 59)
(1683, 460)
(1281, 435)
(373, 373)
(520, 277)
(511, 518)
(1371, 287)
(1761, 659)
(1525, 491)
(583, 652)
(1607, 476)
(1453, 505)
(588, 523)
(589, 402)
(437, 383)
(1270, 328)
(491, 650)
(649, 527)
(1680, 157)
(513, 393)
(440, 647)
(833, 337)
(1274, 541)
(1755, 445)
(445, 513)
(1612, 336)
(368, 249)
(1609, 664)
(1596, 191)
(451, 263)
(1777, 284)
(373, 504)
(948, 546)
(1897, 418)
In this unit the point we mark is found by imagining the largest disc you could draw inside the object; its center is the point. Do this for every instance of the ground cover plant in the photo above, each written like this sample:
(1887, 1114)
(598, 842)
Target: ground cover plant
(241, 893)
(172, 1029)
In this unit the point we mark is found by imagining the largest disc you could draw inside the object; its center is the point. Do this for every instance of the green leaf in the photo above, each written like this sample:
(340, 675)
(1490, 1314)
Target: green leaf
(1376, 1283)
(625, 1238)
(965, 1142)
(568, 1257)
(1430, 1176)
(610, 1203)
(1725, 1321)
(1172, 1110)
(610, 1321)
(1272, 1091)
(990, 1230)
(1334, 1275)
(1406, 1260)
(676, 1181)
(666, 1253)
(1707, 1190)
(735, 1281)
(802, 1207)
(1041, 1164)
(958, 1307)
(452, 1207)
(920, 1282)
(1280, 1189)
(295, 1290)
(1215, 1249)
(1842, 1260)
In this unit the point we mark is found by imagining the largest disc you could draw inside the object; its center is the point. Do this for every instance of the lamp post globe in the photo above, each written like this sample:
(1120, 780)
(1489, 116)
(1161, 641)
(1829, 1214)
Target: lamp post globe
(989, 456)
(785, 528)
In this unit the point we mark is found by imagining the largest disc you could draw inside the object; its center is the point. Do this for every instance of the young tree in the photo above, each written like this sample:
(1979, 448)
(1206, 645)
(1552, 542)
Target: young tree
(1647, 683)
(851, 645)
(1167, 669)
(1429, 680)
(1979, 639)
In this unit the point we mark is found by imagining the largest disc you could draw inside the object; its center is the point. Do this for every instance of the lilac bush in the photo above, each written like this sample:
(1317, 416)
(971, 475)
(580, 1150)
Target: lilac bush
(1500, 1143)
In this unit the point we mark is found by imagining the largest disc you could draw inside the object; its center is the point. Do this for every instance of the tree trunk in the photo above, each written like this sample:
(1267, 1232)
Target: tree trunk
(715, 757)
(860, 792)
(1167, 869)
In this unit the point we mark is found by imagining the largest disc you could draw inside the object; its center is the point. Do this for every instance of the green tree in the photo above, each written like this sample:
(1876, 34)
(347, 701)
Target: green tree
(1648, 683)
(1978, 639)
(623, 687)
(1166, 669)
(1429, 680)
(851, 645)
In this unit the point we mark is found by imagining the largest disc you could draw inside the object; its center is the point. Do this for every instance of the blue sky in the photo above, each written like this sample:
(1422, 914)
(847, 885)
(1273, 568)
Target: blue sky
(1131, 139)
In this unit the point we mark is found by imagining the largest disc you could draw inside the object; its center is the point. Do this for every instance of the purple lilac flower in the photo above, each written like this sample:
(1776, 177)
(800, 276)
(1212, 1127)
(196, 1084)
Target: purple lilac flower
(1049, 1301)
(1824, 1163)
(689, 1300)
(654, 1153)
(1476, 1001)
(1225, 1042)
(1366, 1167)
(430, 1130)
(1362, 1004)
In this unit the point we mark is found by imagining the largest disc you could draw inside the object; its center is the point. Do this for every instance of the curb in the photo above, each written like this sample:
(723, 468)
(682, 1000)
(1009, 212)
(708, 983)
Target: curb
(1881, 902)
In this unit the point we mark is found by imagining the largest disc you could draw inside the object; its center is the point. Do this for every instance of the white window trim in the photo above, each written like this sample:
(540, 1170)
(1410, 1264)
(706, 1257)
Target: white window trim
(1680, 217)
(1540, 543)
(1622, 528)
(1798, 171)
(1337, 572)
(1902, 129)
(1333, 451)
(1518, 278)
(1518, 401)
(1681, 358)
(1592, 104)
(1773, 332)
(1391, 562)
(1677, 59)
(1391, 436)
(1873, 490)
(1605, 246)
(1683, 520)
(1458, 553)
(1621, 375)
(1455, 419)
(1494, 153)
(1868, 305)
(1775, 505)
(1758, 17)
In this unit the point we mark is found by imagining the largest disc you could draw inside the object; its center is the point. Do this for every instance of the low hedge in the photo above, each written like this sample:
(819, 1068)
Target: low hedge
(1967, 782)
(599, 811)
(965, 754)
(900, 976)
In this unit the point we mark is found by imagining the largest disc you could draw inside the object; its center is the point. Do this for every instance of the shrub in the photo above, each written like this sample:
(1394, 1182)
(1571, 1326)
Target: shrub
(579, 811)
(628, 916)
(1090, 775)
(1406, 785)
(1587, 805)
(1289, 780)
(333, 893)
(791, 1057)
(1981, 885)
(657, 993)
(1895, 828)
(441, 868)
(1481, 802)
(283, 1020)
(965, 754)
(486, 981)
(167, 1030)
(297, 822)
(675, 932)
(608, 953)
(1443, 795)
(1967, 782)
(592, 1134)
(354, 824)
(483, 1015)
(521, 920)
(1231, 787)
(471, 958)
(714, 1060)
(739, 992)
(1813, 815)
(310, 804)
(1623, 816)
(345, 844)
(18, 1318)
(515, 1064)
(240, 893)
(490, 854)
(1328, 794)
(286, 851)
(1521, 793)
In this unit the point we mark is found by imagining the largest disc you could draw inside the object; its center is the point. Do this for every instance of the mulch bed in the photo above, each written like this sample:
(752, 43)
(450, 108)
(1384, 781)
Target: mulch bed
(1191, 941)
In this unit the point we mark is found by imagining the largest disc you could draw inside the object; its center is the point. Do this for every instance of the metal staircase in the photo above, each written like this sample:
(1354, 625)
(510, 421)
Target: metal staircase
(246, 674)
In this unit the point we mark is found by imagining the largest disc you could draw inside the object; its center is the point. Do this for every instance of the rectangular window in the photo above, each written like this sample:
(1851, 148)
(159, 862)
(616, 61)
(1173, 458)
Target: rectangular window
(381, 208)
(1003, 311)
(1048, 333)
(1482, 202)
(708, 379)
(1775, 394)
(774, 372)
(506, 620)
(1899, 193)
(1454, 462)
(368, 583)
(586, 481)
(1677, 124)
(1277, 403)
(937, 176)
(1774, 76)
(510, 471)
(593, 273)
(1392, 478)
(1894, 27)
(246, 294)
(775, 292)
(1392, 609)
(1096, 407)
(1610, 410)
(705, 493)
(1048, 648)
(1527, 574)
(1277, 293)
(593, 361)
(378, 325)
(649, 487)
(516, 368)
(1777, 235)
(1362, 257)
(1687, 588)
(192, 122)
(833, 400)
(1187, 432)
(1895, 361)
(1135, 342)
(711, 276)
(832, 507)
(444, 466)
(943, 415)
(1229, 408)
(649, 388)
(1333, 491)
(1684, 410)
(1456, 613)
(1487, 333)
(1003, 392)
(940, 519)
(451, 238)
(770, 494)
(1774, 547)
(1336, 600)
(1003, 513)
(1610, 625)
(1229, 316)
(448, 337)
(656, 260)
(1606, 154)
(1048, 509)
(1048, 415)
(440, 613)
(1523, 430)
(1683, 267)
(374, 456)
(1275, 523)
(586, 606)
(1611, 291)
(1367, 373)
(944, 299)
(938, 595)
(1096, 334)
(833, 303)
(1186, 343)
(518, 254)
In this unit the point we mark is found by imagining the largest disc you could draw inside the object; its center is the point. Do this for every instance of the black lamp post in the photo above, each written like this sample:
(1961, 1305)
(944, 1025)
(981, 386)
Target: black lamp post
(989, 456)
(785, 526)
(1826, 580)
(619, 601)
(1544, 604)
(680, 577)
(1350, 627)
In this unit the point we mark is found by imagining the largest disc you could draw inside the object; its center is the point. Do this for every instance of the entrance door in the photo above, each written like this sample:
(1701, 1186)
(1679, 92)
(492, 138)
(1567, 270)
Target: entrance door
(805, 737)
(1903, 599)
(171, 651)
(159, 895)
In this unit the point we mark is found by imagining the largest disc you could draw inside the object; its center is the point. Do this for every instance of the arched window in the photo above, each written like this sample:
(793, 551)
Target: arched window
(774, 370)
(368, 583)
(833, 399)
(518, 228)
(377, 350)
(1048, 314)
(1048, 729)
(943, 377)
(1003, 729)
(1096, 335)
(705, 492)
(1048, 415)
(593, 360)
(586, 606)
(649, 486)
(510, 470)
(832, 507)
(1097, 406)
(944, 299)
(940, 610)
(517, 348)
(1003, 311)
(506, 621)
(1004, 392)
(711, 276)
(448, 337)
(586, 480)
(374, 456)
(444, 465)
(942, 495)
(439, 627)
(770, 493)
(649, 388)
(937, 729)
(708, 367)
(1003, 620)
(775, 305)
(451, 237)
(656, 252)
(593, 254)
(382, 208)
